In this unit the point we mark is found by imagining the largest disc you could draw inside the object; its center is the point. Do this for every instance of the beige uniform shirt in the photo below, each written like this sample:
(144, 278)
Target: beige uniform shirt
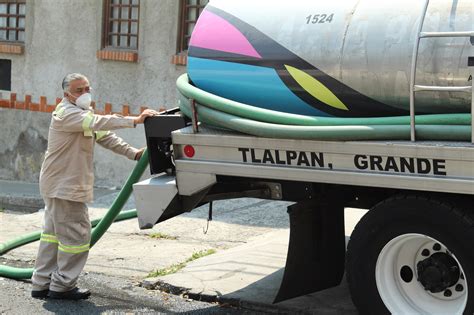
(67, 171)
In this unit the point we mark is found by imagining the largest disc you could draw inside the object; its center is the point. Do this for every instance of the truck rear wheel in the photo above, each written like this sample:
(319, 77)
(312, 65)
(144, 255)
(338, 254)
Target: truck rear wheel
(413, 255)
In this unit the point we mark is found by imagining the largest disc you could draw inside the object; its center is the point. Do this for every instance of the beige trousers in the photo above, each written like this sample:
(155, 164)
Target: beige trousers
(64, 245)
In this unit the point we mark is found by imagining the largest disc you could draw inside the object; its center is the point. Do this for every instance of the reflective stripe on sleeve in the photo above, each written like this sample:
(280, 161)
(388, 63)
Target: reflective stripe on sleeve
(59, 111)
(100, 134)
(86, 124)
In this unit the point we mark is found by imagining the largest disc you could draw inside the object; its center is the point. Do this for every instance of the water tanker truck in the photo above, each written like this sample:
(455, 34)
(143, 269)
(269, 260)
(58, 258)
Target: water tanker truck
(333, 104)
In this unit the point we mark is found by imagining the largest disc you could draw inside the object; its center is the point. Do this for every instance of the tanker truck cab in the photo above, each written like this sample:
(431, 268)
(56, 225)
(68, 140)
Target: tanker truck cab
(406, 156)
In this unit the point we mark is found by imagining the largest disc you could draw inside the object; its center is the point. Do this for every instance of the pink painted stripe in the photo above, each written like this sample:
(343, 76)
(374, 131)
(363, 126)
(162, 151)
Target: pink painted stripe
(213, 32)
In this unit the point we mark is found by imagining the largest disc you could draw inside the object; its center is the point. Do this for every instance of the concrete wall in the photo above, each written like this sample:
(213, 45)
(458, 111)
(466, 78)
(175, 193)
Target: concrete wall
(63, 37)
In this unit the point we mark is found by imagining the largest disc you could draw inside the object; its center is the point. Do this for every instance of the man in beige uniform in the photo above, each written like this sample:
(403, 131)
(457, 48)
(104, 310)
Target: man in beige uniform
(66, 184)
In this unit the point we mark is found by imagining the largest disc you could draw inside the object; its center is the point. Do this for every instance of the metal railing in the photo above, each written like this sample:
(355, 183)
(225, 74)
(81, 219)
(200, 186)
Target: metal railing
(416, 88)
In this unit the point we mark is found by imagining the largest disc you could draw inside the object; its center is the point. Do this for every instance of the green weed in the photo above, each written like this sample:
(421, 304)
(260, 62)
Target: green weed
(176, 267)
(162, 236)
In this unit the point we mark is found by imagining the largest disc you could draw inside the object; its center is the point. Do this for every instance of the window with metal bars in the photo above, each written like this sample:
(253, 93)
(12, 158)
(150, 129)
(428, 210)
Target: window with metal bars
(12, 20)
(121, 22)
(189, 13)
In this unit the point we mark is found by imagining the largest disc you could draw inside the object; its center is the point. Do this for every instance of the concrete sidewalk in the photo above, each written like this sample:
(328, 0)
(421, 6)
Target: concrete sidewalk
(25, 197)
(250, 237)
(249, 276)
(20, 196)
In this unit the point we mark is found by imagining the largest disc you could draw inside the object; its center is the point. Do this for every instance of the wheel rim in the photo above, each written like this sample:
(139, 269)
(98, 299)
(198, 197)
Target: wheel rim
(418, 274)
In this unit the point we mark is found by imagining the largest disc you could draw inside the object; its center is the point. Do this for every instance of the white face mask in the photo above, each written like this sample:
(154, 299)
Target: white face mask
(84, 101)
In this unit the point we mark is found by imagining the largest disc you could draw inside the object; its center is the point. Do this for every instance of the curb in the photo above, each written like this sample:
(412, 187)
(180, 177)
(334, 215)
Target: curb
(216, 297)
(27, 204)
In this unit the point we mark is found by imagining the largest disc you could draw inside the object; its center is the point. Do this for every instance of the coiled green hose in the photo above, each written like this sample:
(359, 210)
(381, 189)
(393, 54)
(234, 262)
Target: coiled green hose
(228, 114)
(114, 214)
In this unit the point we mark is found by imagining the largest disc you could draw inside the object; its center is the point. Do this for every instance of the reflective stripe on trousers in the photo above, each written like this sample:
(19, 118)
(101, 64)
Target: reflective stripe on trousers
(64, 245)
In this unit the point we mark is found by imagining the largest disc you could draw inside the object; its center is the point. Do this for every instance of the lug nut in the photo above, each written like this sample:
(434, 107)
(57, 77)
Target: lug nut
(459, 288)
(448, 293)
(425, 253)
(436, 247)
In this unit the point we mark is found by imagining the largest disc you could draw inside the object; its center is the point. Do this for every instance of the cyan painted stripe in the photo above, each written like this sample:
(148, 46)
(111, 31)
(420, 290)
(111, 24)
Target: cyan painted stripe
(253, 85)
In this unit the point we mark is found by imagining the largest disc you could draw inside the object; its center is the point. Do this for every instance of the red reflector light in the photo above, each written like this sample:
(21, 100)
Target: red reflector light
(189, 151)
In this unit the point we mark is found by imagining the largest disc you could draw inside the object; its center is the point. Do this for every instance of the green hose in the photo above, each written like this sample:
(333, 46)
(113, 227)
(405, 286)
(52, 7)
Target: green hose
(121, 199)
(114, 214)
(228, 114)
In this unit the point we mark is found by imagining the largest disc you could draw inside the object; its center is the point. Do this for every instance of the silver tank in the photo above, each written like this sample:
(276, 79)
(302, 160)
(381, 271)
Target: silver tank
(368, 44)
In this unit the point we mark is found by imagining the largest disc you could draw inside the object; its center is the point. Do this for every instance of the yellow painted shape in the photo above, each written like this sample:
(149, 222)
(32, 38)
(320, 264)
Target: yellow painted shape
(315, 88)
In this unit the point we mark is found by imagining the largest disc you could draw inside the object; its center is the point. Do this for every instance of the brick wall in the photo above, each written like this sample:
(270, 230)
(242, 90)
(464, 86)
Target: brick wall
(43, 106)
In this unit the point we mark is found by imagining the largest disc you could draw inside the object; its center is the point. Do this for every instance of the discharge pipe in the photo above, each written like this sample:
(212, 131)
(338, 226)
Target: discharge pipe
(114, 214)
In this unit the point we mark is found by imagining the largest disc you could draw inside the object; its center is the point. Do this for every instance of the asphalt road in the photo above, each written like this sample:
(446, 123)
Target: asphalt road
(125, 255)
(110, 295)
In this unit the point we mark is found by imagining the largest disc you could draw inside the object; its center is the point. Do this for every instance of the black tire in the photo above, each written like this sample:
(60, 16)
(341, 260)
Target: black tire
(449, 223)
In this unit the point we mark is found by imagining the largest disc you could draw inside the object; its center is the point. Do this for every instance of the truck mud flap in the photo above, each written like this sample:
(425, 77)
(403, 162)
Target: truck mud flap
(316, 252)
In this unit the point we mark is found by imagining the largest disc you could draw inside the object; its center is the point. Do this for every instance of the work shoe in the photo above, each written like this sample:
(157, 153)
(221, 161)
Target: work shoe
(39, 294)
(74, 294)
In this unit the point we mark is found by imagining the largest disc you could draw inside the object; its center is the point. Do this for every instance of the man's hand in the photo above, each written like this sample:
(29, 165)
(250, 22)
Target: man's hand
(146, 113)
(139, 154)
